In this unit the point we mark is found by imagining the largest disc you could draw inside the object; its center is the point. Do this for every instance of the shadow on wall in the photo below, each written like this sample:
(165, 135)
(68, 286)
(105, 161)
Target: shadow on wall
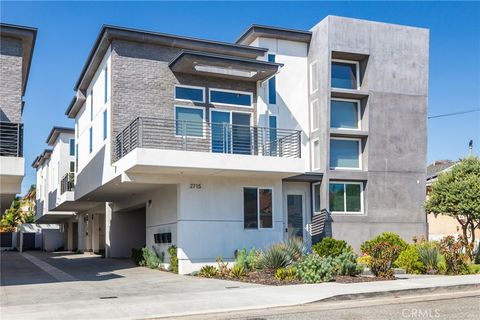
(90, 178)
(17, 270)
(127, 231)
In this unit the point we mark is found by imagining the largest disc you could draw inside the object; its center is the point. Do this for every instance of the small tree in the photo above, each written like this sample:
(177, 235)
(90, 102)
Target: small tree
(456, 193)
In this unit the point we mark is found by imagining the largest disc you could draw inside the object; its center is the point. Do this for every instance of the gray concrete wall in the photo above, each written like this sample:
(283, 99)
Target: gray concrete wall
(143, 84)
(10, 79)
(126, 231)
(394, 60)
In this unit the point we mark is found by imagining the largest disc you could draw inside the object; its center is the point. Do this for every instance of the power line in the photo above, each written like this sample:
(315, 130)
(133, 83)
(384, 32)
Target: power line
(454, 113)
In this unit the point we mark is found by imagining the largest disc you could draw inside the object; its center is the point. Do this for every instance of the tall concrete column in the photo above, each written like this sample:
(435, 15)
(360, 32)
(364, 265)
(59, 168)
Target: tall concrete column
(81, 232)
(108, 220)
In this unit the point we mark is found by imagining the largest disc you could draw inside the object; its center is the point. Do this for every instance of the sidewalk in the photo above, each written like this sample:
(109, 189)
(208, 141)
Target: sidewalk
(231, 298)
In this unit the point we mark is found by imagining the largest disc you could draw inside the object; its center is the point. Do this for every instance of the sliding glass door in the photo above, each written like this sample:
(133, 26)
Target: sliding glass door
(231, 132)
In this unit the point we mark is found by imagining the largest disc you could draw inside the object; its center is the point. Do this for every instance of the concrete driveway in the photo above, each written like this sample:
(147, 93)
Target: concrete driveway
(34, 282)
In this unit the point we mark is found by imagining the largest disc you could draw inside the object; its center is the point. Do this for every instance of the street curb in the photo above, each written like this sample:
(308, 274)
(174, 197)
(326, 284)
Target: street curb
(400, 292)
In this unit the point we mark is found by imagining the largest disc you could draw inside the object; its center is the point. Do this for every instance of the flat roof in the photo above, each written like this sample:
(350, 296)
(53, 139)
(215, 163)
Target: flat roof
(28, 36)
(39, 160)
(55, 132)
(223, 66)
(109, 32)
(257, 30)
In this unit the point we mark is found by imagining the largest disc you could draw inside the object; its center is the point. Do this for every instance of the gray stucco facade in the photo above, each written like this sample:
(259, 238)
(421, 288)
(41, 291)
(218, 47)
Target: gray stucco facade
(393, 96)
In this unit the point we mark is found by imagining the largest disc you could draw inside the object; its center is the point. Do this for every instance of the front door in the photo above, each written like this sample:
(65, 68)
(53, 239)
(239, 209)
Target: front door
(295, 213)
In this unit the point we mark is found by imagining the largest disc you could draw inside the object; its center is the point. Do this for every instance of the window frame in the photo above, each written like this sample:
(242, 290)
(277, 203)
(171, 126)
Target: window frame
(362, 208)
(203, 121)
(357, 71)
(258, 228)
(188, 87)
(313, 154)
(230, 104)
(359, 120)
(313, 197)
(360, 166)
(314, 129)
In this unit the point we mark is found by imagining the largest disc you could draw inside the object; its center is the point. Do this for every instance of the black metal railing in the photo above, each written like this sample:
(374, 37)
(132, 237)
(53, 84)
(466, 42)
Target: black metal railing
(11, 139)
(198, 136)
(67, 183)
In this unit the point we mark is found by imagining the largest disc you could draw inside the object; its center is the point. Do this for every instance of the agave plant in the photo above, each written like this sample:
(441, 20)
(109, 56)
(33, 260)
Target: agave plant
(429, 255)
(295, 248)
(276, 256)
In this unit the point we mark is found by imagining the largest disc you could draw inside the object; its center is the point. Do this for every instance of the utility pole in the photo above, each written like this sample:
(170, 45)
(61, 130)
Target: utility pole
(470, 147)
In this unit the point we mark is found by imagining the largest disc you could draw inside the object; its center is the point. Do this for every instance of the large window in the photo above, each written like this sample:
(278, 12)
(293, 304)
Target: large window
(346, 197)
(72, 147)
(345, 74)
(272, 86)
(189, 93)
(257, 208)
(345, 114)
(316, 197)
(315, 115)
(189, 121)
(345, 153)
(231, 98)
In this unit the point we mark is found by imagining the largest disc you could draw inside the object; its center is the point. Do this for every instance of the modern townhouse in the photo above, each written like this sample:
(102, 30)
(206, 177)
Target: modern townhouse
(216, 146)
(55, 180)
(16, 50)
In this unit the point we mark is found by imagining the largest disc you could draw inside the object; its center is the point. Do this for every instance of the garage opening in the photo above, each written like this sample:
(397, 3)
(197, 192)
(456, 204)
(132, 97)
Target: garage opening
(127, 231)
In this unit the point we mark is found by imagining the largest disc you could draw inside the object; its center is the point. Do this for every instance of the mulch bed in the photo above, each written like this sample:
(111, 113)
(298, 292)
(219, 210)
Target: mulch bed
(267, 278)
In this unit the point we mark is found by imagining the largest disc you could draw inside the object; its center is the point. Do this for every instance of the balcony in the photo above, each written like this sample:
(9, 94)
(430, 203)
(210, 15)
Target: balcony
(67, 183)
(11, 139)
(167, 134)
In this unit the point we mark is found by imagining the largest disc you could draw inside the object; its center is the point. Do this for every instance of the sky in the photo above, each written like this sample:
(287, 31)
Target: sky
(67, 31)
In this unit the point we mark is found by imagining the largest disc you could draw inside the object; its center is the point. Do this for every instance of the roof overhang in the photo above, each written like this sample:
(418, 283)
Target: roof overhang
(41, 158)
(27, 35)
(109, 33)
(222, 66)
(260, 31)
(75, 104)
(306, 177)
(55, 133)
(55, 218)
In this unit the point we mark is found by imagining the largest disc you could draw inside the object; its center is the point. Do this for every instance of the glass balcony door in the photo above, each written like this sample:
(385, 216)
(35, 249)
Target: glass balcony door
(231, 132)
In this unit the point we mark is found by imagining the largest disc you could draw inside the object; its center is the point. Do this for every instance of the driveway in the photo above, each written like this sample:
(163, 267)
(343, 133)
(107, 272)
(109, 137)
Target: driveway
(34, 281)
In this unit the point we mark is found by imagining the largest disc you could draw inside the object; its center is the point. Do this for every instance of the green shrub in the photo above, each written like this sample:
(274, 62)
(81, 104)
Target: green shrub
(172, 251)
(295, 248)
(137, 257)
(274, 257)
(315, 269)
(429, 254)
(346, 264)
(238, 271)
(253, 259)
(454, 252)
(474, 268)
(241, 259)
(409, 259)
(383, 255)
(330, 247)
(150, 258)
(364, 260)
(287, 274)
(208, 271)
(388, 237)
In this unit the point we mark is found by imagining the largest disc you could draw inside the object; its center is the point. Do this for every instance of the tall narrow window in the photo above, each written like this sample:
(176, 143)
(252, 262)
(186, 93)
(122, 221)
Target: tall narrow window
(72, 147)
(257, 208)
(313, 77)
(90, 146)
(72, 166)
(272, 86)
(316, 197)
(272, 123)
(91, 105)
(315, 115)
(316, 154)
(106, 85)
(76, 158)
(104, 124)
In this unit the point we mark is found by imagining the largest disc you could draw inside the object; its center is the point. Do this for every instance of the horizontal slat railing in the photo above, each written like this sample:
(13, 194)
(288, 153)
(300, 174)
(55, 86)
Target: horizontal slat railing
(67, 183)
(11, 139)
(168, 134)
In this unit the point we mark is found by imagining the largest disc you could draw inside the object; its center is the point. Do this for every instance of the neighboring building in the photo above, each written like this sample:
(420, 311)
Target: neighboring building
(215, 146)
(16, 50)
(441, 225)
(55, 181)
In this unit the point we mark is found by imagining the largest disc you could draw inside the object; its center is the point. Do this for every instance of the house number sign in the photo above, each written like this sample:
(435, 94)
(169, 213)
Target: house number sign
(195, 186)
